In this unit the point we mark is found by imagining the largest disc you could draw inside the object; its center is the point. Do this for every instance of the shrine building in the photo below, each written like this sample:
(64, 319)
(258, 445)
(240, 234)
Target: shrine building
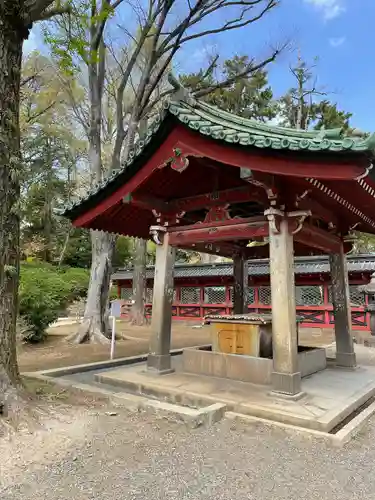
(203, 289)
(203, 179)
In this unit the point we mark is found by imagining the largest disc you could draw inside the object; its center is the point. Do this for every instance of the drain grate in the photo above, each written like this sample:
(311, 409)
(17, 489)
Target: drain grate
(350, 417)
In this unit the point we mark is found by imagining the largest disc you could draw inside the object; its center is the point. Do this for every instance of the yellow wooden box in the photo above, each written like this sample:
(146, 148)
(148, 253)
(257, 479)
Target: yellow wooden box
(238, 334)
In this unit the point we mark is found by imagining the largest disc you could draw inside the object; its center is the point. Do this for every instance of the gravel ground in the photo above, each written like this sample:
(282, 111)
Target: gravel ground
(88, 454)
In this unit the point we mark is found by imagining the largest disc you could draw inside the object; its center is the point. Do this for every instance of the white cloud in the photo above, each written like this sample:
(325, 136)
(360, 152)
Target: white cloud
(202, 54)
(329, 8)
(336, 42)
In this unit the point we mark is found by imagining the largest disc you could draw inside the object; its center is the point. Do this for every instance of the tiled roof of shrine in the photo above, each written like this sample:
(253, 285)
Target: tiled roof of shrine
(259, 267)
(220, 125)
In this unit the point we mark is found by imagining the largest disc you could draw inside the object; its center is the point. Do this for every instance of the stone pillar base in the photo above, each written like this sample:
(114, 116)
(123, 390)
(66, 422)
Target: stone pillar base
(288, 384)
(346, 359)
(160, 364)
(370, 342)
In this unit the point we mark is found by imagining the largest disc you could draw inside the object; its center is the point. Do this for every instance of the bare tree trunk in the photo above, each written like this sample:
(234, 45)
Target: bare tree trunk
(65, 246)
(10, 158)
(95, 325)
(137, 315)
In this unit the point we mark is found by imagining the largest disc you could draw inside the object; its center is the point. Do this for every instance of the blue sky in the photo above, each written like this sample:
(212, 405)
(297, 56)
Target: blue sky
(340, 32)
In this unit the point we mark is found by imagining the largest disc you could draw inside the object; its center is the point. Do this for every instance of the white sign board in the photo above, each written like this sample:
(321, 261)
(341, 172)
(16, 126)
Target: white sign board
(115, 313)
(116, 308)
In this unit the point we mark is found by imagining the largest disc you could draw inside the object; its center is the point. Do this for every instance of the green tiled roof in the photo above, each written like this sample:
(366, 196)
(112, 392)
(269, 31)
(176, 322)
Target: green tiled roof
(220, 125)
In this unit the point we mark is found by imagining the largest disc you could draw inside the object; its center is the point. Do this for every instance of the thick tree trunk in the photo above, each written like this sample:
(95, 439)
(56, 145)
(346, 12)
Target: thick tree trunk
(138, 316)
(11, 41)
(95, 325)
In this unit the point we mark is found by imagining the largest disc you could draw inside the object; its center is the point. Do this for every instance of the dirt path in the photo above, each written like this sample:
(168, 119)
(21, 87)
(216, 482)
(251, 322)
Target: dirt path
(55, 352)
(87, 454)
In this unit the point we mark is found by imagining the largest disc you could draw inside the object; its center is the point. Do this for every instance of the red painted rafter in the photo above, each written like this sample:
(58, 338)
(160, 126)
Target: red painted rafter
(303, 196)
(318, 211)
(147, 202)
(313, 237)
(234, 229)
(206, 200)
(201, 201)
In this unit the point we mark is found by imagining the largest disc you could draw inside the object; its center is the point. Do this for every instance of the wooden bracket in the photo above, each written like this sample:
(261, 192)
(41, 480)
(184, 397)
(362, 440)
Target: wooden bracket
(267, 184)
(157, 234)
(167, 219)
(274, 215)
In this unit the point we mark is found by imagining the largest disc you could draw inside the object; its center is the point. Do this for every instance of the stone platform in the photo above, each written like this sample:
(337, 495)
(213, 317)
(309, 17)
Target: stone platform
(256, 370)
(330, 395)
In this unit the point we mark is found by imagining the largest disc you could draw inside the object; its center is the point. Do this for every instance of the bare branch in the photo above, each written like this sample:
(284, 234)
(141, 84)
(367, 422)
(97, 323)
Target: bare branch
(162, 9)
(210, 67)
(163, 95)
(78, 112)
(41, 10)
(48, 14)
(209, 8)
(120, 136)
(28, 79)
(33, 117)
(105, 10)
(249, 69)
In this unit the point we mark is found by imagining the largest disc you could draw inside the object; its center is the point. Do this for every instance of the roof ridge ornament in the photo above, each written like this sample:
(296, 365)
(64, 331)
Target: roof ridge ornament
(180, 93)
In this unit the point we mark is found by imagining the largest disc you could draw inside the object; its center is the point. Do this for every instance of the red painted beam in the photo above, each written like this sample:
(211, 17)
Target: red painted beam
(227, 222)
(192, 143)
(203, 233)
(206, 200)
(314, 237)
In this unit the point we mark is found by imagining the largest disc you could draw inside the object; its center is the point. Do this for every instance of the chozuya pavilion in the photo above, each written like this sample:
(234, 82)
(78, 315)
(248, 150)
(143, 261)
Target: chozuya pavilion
(207, 180)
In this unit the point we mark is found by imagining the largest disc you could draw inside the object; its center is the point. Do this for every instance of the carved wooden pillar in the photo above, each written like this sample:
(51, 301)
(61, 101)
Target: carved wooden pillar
(240, 284)
(345, 355)
(159, 358)
(286, 377)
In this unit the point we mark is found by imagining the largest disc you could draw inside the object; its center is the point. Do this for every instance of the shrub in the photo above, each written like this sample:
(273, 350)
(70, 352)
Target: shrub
(45, 291)
(78, 279)
(113, 293)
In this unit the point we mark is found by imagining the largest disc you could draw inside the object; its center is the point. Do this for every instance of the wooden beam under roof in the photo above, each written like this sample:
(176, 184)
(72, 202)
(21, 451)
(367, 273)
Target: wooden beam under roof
(232, 230)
